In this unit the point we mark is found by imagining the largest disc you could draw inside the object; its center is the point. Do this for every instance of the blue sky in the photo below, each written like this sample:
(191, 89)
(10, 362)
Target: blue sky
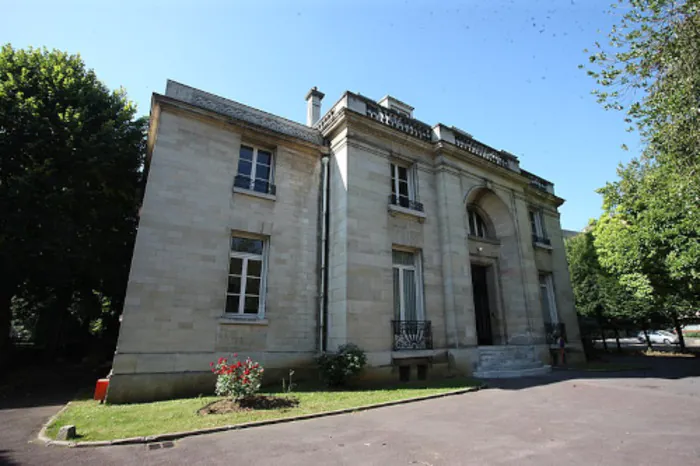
(504, 71)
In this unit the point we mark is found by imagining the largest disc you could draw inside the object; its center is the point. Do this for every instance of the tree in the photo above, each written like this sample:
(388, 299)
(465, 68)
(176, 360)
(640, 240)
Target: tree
(598, 294)
(648, 234)
(71, 154)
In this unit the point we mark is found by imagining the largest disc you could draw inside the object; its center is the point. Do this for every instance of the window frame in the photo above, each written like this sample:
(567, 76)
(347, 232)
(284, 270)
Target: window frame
(410, 181)
(537, 224)
(478, 221)
(417, 268)
(262, 293)
(254, 166)
(548, 287)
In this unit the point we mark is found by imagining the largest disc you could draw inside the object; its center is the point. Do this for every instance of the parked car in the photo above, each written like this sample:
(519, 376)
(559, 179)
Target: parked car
(659, 336)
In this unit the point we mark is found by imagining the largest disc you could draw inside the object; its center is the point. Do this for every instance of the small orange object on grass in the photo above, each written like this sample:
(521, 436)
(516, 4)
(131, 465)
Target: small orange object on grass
(101, 389)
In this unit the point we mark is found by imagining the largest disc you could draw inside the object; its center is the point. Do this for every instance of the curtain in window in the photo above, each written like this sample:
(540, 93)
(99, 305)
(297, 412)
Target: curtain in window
(397, 295)
(409, 294)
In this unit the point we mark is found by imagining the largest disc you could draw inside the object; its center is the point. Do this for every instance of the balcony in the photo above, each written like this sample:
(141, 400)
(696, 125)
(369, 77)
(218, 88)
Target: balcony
(553, 331)
(246, 183)
(407, 207)
(541, 240)
(412, 335)
(405, 202)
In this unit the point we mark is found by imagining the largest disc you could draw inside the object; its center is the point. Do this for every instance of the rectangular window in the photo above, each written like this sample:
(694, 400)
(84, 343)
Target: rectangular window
(246, 279)
(255, 170)
(408, 286)
(549, 304)
(539, 235)
(403, 186)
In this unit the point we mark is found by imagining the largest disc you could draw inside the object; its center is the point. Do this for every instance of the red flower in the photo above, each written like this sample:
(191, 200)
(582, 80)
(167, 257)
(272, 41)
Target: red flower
(246, 372)
(235, 355)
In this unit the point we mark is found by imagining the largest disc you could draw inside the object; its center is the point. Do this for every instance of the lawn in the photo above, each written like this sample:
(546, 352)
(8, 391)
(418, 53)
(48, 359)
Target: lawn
(95, 421)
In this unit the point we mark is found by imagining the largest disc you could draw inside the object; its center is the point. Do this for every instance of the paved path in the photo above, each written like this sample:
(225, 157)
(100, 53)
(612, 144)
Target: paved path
(650, 417)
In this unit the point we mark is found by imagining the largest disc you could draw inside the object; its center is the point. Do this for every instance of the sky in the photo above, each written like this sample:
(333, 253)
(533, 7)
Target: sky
(506, 71)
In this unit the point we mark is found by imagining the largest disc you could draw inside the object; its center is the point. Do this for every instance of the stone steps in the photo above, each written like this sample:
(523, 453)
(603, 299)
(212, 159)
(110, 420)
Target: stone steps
(509, 361)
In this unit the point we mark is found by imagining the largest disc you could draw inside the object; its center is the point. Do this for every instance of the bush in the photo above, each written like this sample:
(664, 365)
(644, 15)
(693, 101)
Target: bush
(337, 368)
(238, 380)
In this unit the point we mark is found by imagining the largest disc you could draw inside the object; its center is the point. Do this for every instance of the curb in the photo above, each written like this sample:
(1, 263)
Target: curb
(178, 435)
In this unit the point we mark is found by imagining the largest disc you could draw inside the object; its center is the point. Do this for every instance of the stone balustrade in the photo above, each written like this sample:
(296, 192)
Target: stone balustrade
(480, 149)
(398, 121)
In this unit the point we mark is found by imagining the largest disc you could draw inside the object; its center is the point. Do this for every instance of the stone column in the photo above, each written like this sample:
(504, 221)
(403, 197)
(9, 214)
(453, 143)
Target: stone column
(459, 304)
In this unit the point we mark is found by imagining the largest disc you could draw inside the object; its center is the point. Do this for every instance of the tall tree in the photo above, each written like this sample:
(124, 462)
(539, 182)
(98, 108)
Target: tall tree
(648, 233)
(71, 153)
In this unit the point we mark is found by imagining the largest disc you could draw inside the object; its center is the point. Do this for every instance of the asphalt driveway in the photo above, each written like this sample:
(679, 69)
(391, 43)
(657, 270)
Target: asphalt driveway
(645, 417)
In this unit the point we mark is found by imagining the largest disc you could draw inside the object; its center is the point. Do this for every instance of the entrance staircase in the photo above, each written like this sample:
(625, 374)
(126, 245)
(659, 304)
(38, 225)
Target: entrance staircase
(507, 361)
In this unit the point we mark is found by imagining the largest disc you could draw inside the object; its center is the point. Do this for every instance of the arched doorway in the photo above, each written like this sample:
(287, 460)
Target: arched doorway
(491, 237)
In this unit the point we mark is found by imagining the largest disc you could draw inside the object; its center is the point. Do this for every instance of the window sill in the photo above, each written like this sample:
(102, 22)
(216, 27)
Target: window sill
(236, 320)
(250, 192)
(542, 246)
(493, 241)
(395, 209)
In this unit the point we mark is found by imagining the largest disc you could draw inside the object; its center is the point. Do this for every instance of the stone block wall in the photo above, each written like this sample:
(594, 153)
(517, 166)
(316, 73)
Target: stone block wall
(173, 321)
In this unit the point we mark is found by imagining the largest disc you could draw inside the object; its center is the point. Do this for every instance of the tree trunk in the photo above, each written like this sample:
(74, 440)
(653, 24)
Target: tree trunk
(646, 336)
(6, 294)
(64, 298)
(617, 340)
(679, 332)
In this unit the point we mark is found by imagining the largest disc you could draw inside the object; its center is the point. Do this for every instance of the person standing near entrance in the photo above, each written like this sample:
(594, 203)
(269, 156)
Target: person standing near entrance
(562, 349)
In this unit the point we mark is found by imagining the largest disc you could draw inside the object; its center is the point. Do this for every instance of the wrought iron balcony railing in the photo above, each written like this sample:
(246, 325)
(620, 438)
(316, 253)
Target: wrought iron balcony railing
(405, 202)
(553, 332)
(412, 335)
(260, 186)
(541, 240)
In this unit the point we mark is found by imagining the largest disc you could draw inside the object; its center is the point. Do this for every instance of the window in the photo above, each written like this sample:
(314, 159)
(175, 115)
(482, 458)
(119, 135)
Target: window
(539, 235)
(403, 187)
(255, 170)
(408, 286)
(549, 305)
(246, 276)
(477, 227)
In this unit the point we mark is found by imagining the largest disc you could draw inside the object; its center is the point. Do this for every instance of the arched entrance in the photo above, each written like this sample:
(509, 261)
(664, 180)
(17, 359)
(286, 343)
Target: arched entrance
(491, 241)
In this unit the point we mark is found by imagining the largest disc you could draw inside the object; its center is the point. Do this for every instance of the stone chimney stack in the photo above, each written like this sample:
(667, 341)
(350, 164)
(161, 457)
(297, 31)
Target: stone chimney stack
(313, 106)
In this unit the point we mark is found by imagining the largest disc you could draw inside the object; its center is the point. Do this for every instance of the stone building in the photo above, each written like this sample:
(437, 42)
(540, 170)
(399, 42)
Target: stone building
(432, 251)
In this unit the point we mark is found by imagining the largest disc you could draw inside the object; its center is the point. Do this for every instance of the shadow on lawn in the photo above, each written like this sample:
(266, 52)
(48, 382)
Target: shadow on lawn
(447, 383)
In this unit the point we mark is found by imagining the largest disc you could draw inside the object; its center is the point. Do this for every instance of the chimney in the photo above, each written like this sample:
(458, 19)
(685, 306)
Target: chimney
(313, 106)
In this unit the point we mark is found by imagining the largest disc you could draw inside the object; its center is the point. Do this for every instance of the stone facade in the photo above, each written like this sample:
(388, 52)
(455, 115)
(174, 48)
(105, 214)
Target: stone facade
(328, 274)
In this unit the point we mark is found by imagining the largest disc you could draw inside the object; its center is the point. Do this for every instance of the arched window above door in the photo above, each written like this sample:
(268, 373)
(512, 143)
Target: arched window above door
(477, 226)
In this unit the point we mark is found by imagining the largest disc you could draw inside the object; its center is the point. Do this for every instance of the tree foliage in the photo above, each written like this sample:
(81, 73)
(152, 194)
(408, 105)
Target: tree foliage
(648, 233)
(71, 153)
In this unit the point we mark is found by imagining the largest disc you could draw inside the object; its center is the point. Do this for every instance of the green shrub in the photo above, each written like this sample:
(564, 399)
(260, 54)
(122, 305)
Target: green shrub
(337, 368)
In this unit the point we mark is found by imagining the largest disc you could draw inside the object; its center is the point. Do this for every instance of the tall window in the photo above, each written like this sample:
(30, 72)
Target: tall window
(408, 286)
(539, 235)
(477, 227)
(403, 191)
(255, 170)
(246, 284)
(549, 304)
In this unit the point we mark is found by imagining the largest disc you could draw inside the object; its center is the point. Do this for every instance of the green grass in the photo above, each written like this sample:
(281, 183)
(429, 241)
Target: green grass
(95, 421)
(692, 334)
